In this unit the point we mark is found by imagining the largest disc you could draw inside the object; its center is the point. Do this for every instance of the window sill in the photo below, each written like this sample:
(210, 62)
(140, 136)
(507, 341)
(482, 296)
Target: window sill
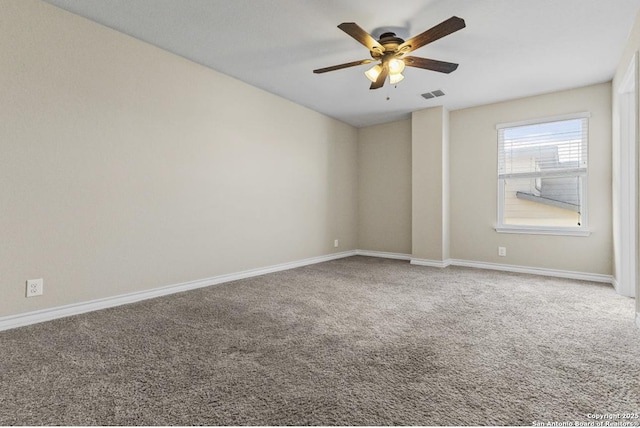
(543, 231)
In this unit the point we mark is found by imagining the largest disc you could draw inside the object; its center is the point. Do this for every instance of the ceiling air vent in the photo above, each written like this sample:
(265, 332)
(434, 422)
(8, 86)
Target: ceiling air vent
(433, 94)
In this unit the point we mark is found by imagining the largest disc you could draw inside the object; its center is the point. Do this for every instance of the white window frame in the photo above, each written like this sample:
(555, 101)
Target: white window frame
(583, 229)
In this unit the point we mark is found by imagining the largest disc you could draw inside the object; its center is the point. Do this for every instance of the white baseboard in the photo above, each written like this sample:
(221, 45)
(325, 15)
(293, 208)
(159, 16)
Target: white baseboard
(491, 266)
(595, 277)
(384, 255)
(19, 320)
(622, 290)
(430, 263)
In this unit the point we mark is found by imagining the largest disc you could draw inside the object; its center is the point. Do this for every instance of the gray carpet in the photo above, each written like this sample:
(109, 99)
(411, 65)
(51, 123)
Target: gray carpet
(356, 341)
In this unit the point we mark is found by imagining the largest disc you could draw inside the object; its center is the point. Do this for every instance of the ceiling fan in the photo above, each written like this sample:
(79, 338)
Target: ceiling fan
(390, 51)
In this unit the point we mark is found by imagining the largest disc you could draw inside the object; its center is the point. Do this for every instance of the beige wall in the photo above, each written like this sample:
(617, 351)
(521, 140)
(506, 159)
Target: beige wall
(384, 187)
(429, 183)
(454, 185)
(474, 188)
(124, 167)
(446, 185)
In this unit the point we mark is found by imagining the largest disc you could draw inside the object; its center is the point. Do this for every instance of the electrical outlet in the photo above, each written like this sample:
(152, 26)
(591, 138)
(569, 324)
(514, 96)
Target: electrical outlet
(336, 243)
(35, 287)
(502, 251)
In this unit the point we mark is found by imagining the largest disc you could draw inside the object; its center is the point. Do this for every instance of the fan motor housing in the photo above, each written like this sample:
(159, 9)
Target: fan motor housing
(390, 42)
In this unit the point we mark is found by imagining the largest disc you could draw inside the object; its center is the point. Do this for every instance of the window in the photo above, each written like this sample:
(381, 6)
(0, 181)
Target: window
(542, 176)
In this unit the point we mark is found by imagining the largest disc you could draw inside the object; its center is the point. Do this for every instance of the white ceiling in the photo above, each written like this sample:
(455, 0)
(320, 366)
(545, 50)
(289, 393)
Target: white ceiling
(509, 49)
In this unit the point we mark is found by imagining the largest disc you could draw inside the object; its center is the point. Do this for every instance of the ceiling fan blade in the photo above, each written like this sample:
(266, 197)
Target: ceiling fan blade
(341, 66)
(445, 28)
(430, 64)
(354, 30)
(381, 77)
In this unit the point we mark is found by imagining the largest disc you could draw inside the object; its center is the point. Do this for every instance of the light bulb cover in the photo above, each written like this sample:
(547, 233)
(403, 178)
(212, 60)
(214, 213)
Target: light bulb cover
(395, 78)
(373, 73)
(396, 66)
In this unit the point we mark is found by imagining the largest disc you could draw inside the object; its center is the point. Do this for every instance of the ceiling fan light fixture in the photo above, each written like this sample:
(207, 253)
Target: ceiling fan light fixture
(395, 78)
(373, 73)
(396, 66)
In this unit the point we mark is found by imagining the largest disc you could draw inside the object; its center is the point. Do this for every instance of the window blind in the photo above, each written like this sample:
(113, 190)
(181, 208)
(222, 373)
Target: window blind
(557, 148)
